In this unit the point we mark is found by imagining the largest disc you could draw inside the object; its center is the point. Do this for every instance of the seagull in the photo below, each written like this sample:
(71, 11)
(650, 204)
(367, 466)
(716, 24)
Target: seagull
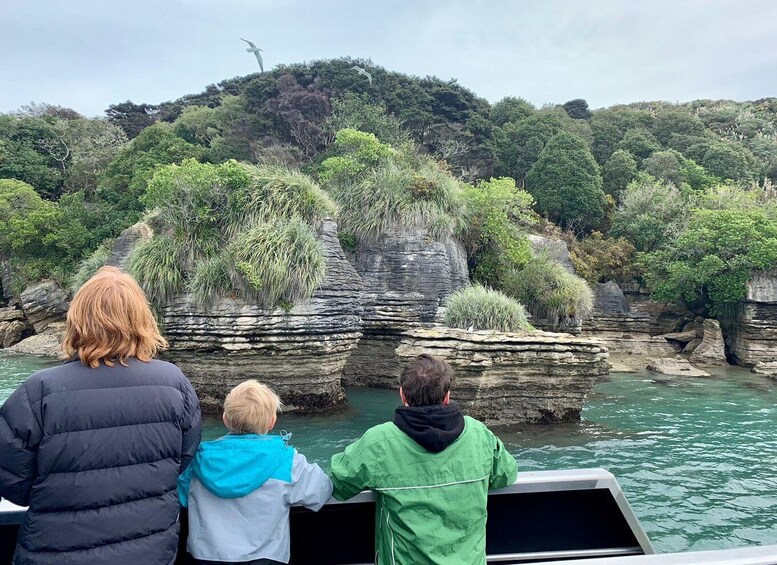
(363, 72)
(255, 50)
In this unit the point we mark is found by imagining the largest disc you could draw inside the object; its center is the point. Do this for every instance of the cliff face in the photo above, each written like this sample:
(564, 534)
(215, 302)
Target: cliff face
(300, 353)
(510, 378)
(751, 334)
(630, 323)
(406, 277)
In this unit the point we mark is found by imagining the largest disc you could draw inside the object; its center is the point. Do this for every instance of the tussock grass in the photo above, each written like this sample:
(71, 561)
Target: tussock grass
(279, 261)
(91, 264)
(212, 277)
(395, 195)
(549, 291)
(484, 309)
(157, 266)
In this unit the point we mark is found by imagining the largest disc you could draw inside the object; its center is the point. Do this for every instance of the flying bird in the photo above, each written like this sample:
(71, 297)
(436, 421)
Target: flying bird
(363, 72)
(255, 50)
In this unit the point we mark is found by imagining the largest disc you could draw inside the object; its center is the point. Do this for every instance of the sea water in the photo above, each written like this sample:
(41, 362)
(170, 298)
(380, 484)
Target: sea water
(696, 457)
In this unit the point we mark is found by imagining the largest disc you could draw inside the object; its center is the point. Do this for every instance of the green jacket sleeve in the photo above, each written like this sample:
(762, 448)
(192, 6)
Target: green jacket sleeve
(350, 470)
(504, 469)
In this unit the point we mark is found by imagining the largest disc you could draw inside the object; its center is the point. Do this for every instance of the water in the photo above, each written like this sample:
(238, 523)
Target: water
(697, 458)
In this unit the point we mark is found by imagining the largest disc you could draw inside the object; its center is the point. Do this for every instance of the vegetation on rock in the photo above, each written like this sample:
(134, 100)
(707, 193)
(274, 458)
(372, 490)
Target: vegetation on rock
(481, 308)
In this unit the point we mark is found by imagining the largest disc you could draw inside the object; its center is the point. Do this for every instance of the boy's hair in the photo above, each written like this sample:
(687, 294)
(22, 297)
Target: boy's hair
(249, 408)
(426, 380)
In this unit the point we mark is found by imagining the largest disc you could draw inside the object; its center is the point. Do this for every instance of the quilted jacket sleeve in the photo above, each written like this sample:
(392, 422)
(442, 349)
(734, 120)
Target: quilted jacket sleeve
(20, 435)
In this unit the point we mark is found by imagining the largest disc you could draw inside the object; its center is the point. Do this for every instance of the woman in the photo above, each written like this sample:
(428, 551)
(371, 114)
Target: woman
(94, 446)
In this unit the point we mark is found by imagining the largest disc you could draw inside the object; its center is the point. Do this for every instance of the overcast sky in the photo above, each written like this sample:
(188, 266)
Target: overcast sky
(88, 54)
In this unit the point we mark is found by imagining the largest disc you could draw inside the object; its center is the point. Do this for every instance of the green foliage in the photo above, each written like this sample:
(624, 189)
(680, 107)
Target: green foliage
(510, 110)
(158, 267)
(599, 259)
(672, 167)
(566, 183)
(495, 244)
(618, 172)
(650, 214)
(676, 122)
(727, 162)
(358, 112)
(713, 258)
(355, 152)
(91, 264)
(640, 143)
(348, 241)
(395, 190)
(518, 145)
(550, 292)
(481, 308)
(577, 109)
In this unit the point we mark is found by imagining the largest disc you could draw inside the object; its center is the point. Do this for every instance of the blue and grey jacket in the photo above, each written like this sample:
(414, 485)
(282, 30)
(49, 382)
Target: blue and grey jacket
(238, 491)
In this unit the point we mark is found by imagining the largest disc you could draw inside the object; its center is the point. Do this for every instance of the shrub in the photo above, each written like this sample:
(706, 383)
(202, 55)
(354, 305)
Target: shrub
(484, 309)
(91, 264)
(600, 259)
(550, 292)
(157, 266)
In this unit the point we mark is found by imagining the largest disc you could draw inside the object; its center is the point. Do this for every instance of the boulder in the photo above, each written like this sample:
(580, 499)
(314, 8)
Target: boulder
(681, 337)
(300, 352)
(675, 367)
(43, 345)
(712, 349)
(13, 331)
(511, 378)
(692, 345)
(555, 248)
(695, 326)
(768, 368)
(44, 304)
(406, 276)
(126, 242)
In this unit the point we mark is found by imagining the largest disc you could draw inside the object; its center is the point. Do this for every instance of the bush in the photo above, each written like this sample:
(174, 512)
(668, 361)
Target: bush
(550, 292)
(599, 259)
(89, 266)
(481, 308)
(158, 268)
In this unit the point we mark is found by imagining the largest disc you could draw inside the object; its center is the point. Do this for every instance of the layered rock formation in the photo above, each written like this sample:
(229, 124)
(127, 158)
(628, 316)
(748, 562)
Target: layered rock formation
(556, 249)
(406, 277)
(675, 367)
(632, 324)
(751, 334)
(300, 353)
(712, 349)
(44, 306)
(509, 378)
(126, 242)
(13, 327)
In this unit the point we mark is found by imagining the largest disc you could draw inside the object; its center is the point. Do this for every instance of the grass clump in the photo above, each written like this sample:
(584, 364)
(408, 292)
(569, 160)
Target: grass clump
(157, 266)
(481, 308)
(550, 292)
(91, 264)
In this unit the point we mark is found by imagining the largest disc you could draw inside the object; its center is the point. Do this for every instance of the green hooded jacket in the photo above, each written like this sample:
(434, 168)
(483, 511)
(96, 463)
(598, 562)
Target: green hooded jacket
(430, 507)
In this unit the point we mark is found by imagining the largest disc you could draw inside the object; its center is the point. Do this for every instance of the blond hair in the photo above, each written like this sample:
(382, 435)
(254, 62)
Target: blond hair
(250, 407)
(110, 320)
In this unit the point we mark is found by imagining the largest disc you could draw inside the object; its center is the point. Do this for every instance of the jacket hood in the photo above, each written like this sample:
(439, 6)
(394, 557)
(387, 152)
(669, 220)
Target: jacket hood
(432, 427)
(236, 465)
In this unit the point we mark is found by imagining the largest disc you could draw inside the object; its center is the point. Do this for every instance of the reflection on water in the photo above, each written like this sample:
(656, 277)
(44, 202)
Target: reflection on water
(695, 457)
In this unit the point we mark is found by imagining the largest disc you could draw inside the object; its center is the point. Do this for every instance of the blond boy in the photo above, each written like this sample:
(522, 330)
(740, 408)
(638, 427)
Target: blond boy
(239, 488)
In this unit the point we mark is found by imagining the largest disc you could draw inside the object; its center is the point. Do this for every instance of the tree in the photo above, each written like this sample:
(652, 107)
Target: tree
(670, 166)
(727, 162)
(510, 110)
(566, 183)
(640, 143)
(651, 213)
(577, 109)
(713, 258)
(517, 146)
(302, 112)
(606, 134)
(618, 172)
(132, 118)
(22, 153)
(676, 122)
(358, 112)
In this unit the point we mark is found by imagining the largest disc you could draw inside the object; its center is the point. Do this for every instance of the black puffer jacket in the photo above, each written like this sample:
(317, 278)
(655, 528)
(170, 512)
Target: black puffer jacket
(95, 454)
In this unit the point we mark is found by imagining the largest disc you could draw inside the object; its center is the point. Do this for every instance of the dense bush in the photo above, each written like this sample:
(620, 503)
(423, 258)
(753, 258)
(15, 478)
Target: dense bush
(481, 308)
(550, 292)
(599, 259)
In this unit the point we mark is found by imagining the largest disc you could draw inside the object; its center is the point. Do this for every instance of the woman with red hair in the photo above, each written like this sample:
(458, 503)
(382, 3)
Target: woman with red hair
(94, 447)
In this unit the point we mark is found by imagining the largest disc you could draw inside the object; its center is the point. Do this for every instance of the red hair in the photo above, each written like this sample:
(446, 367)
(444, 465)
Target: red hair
(110, 320)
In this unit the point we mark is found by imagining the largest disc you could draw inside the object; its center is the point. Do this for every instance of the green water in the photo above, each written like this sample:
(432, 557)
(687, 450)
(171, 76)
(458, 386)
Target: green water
(697, 458)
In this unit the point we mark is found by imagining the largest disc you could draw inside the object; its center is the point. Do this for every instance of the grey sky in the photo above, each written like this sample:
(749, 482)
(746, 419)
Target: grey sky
(87, 54)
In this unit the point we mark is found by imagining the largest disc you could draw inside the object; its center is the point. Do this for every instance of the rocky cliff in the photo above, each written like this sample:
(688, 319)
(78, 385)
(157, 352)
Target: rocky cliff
(751, 333)
(509, 378)
(300, 353)
(406, 277)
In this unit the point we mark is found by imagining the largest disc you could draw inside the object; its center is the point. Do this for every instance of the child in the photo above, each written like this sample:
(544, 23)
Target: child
(239, 488)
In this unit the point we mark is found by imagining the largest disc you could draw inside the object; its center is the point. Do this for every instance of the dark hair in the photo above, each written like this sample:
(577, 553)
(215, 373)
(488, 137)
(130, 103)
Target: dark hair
(426, 380)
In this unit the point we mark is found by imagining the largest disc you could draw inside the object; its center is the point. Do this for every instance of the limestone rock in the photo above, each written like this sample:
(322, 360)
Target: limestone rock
(692, 345)
(44, 304)
(629, 323)
(43, 345)
(126, 242)
(13, 331)
(712, 350)
(695, 326)
(555, 248)
(510, 378)
(675, 367)
(751, 333)
(407, 276)
(300, 353)
(11, 314)
(682, 337)
(768, 368)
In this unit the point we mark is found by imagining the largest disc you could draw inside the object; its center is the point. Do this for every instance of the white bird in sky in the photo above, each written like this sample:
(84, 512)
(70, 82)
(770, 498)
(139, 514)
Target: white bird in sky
(255, 50)
(363, 72)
